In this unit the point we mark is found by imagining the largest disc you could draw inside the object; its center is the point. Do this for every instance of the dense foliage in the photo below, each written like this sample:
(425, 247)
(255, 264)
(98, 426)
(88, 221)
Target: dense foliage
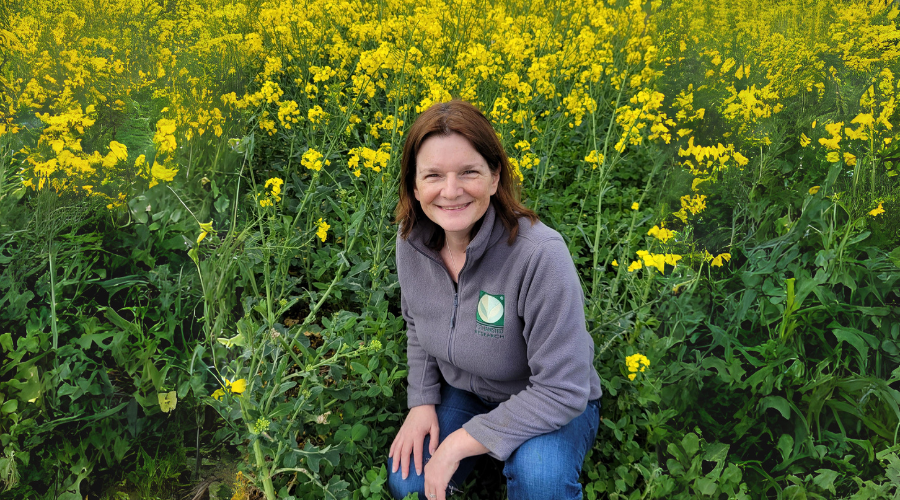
(196, 235)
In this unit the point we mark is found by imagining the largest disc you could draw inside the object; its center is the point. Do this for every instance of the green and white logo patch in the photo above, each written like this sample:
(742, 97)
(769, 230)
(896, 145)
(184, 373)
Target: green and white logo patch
(490, 309)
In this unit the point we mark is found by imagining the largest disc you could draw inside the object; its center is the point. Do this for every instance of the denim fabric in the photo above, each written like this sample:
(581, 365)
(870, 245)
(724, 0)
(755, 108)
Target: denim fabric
(545, 467)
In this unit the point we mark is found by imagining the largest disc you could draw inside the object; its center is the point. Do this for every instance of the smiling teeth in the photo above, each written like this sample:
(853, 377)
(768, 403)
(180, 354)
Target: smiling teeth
(458, 207)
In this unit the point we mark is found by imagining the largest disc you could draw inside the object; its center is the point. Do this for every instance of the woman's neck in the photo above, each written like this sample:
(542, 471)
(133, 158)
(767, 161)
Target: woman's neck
(457, 245)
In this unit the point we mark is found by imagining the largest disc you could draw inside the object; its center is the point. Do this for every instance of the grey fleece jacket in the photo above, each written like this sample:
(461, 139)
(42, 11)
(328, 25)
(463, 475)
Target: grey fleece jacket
(512, 331)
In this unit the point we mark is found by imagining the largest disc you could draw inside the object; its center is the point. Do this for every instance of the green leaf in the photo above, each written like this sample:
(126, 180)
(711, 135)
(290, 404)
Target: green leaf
(705, 486)
(6, 341)
(785, 446)
(30, 390)
(120, 447)
(359, 432)
(895, 256)
(9, 406)
(732, 474)
(859, 237)
(794, 492)
(858, 339)
(718, 453)
(222, 203)
(691, 444)
(778, 403)
(825, 479)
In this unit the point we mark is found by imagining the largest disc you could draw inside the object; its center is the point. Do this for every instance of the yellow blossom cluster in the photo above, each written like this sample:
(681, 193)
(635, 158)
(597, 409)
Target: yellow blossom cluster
(271, 192)
(594, 158)
(649, 260)
(83, 70)
(323, 227)
(527, 161)
(749, 60)
(315, 69)
(373, 159)
(661, 233)
(693, 204)
(643, 112)
(636, 363)
(313, 160)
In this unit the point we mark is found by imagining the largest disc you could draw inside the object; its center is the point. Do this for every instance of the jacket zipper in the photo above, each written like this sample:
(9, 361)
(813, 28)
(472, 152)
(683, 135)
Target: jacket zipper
(455, 299)
(452, 324)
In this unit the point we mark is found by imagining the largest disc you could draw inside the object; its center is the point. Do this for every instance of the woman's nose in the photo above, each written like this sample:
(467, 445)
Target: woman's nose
(451, 187)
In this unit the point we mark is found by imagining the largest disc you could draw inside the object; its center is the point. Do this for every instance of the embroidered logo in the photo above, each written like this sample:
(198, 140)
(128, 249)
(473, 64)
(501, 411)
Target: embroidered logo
(489, 315)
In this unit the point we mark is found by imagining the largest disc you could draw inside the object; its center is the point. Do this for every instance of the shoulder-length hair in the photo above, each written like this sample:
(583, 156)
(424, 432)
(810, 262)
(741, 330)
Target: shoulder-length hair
(459, 117)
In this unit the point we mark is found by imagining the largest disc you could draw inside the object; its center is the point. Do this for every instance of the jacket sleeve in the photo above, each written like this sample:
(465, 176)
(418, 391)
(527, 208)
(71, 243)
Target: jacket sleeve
(423, 378)
(560, 356)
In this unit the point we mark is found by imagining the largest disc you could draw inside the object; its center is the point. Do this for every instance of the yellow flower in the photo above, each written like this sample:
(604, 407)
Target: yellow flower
(322, 232)
(205, 229)
(635, 206)
(594, 158)
(833, 157)
(814, 189)
(656, 260)
(162, 173)
(636, 363)
(849, 159)
(662, 234)
(312, 160)
(635, 266)
(877, 211)
(118, 150)
(671, 259)
(615, 263)
(271, 193)
(720, 259)
(236, 387)
(804, 141)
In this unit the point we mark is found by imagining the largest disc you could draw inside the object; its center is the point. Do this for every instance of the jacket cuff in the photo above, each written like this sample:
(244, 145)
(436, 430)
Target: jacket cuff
(498, 447)
(423, 398)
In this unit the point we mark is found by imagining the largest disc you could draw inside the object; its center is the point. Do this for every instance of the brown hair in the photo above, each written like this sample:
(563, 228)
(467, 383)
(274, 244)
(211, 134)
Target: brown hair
(459, 117)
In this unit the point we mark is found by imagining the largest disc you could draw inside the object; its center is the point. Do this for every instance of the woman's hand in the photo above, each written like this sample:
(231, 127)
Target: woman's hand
(422, 421)
(444, 462)
(438, 472)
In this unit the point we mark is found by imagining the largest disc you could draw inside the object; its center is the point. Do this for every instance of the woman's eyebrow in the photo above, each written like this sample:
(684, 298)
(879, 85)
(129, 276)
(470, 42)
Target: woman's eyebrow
(423, 169)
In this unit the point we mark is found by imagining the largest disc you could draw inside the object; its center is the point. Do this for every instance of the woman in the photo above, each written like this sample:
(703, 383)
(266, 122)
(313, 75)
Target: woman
(500, 361)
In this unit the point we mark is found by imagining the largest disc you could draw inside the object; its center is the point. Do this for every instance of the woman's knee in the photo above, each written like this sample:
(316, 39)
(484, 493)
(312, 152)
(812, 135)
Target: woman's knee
(549, 466)
(545, 476)
(400, 488)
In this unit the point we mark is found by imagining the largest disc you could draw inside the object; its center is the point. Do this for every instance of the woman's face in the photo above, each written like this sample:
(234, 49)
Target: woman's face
(454, 184)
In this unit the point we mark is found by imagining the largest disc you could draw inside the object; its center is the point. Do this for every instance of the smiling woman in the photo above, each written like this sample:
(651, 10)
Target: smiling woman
(513, 376)
(453, 186)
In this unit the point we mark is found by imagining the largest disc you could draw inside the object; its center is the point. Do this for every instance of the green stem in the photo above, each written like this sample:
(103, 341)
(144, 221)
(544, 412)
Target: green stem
(603, 174)
(264, 473)
(53, 325)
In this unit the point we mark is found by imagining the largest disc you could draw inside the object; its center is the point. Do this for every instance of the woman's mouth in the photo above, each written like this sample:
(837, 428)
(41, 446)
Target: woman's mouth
(455, 208)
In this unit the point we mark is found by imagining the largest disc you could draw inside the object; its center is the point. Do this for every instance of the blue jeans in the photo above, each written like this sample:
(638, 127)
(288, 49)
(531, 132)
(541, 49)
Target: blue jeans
(545, 467)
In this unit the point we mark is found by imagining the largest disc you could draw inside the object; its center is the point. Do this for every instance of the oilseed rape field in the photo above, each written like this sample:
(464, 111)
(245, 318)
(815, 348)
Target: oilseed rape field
(198, 293)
